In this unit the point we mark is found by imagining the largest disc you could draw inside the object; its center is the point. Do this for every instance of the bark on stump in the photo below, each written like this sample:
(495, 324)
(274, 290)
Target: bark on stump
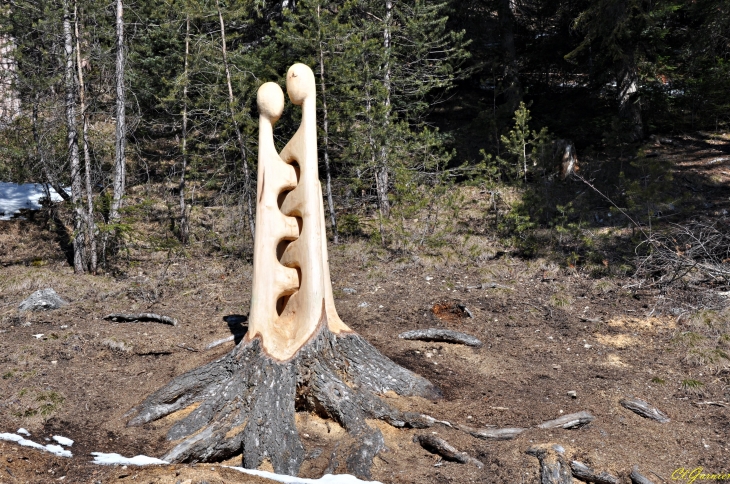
(297, 354)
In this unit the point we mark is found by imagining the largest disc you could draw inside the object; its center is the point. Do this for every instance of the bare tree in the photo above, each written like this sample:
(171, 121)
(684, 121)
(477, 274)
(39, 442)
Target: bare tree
(120, 133)
(184, 222)
(239, 136)
(90, 225)
(381, 172)
(325, 127)
(72, 141)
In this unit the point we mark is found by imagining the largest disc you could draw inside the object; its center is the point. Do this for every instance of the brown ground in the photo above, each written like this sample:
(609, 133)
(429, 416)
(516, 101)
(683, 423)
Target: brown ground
(556, 330)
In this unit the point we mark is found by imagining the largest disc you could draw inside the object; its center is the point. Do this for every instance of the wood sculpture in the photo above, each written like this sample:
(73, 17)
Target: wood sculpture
(297, 349)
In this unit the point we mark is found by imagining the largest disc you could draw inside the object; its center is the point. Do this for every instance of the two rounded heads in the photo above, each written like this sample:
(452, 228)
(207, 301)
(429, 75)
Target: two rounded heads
(300, 86)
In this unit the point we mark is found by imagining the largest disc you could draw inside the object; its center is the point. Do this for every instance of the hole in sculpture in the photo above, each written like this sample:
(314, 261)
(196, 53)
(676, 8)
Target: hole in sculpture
(297, 170)
(281, 304)
(284, 298)
(280, 199)
(281, 247)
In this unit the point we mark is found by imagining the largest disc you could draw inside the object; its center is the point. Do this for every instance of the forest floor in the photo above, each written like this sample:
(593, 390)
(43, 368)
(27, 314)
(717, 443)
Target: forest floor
(552, 329)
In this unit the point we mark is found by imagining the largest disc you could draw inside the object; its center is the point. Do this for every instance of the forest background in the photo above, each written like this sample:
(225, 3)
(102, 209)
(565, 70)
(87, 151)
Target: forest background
(427, 111)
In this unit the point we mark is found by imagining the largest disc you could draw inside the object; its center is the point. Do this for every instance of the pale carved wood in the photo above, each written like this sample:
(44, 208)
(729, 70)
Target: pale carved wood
(292, 289)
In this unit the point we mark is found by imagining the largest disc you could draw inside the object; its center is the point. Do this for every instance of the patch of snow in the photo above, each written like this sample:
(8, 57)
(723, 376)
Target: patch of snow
(14, 197)
(112, 459)
(63, 440)
(22, 431)
(53, 449)
(326, 479)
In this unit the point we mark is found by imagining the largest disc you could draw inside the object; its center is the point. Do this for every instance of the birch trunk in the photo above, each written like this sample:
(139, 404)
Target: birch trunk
(241, 144)
(381, 174)
(325, 126)
(184, 223)
(72, 142)
(90, 225)
(121, 129)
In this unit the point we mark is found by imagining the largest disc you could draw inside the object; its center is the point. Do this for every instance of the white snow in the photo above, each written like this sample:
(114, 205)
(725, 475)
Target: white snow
(63, 440)
(326, 479)
(53, 449)
(22, 431)
(112, 459)
(14, 197)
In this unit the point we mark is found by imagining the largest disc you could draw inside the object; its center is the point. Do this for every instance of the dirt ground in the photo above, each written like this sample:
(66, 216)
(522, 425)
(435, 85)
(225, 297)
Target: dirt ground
(552, 329)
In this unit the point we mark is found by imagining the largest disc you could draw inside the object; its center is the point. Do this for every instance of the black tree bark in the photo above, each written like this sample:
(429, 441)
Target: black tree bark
(247, 402)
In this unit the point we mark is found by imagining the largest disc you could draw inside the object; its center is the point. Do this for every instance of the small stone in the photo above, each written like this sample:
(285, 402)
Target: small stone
(54, 362)
(349, 290)
(572, 394)
(587, 346)
(363, 305)
(556, 367)
(43, 300)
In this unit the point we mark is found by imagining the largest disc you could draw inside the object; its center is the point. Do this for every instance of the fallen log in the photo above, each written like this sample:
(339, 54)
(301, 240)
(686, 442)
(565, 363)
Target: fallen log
(554, 468)
(637, 478)
(586, 474)
(441, 335)
(644, 409)
(133, 318)
(507, 433)
(570, 421)
(437, 445)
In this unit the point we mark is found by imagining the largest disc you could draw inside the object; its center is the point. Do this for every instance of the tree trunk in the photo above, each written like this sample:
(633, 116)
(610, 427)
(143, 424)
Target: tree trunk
(48, 174)
(629, 104)
(512, 89)
(325, 127)
(239, 136)
(90, 224)
(184, 222)
(72, 142)
(297, 354)
(120, 160)
(381, 175)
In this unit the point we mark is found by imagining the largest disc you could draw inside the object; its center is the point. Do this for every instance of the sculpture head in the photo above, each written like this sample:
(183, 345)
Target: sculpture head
(270, 100)
(300, 83)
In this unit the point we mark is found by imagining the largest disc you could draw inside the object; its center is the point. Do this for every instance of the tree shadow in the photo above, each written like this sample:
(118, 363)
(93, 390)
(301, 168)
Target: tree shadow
(237, 325)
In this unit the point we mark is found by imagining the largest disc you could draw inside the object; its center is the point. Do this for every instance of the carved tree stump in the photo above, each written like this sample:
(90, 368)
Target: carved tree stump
(297, 354)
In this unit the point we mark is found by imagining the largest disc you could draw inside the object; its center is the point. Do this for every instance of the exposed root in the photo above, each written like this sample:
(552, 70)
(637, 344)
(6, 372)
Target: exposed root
(247, 402)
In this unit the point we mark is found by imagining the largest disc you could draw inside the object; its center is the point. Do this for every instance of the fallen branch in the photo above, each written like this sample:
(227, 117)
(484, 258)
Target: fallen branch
(554, 468)
(132, 318)
(644, 409)
(225, 340)
(586, 474)
(437, 445)
(570, 421)
(717, 404)
(180, 345)
(444, 335)
(507, 433)
(490, 285)
(637, 478)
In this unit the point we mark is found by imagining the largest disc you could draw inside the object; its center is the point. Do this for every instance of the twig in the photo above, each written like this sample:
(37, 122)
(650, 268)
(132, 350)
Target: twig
(187, 348)
(569, 421)
(611, 202)
(644, 409)
(437, 445)
(637, 477)
(508, 433)
(131, 318)
(490, 285)
(585, 473)
(554, 468)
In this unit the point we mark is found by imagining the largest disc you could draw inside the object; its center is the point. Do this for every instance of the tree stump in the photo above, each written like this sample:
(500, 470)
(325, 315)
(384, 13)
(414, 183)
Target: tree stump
(297, 354)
